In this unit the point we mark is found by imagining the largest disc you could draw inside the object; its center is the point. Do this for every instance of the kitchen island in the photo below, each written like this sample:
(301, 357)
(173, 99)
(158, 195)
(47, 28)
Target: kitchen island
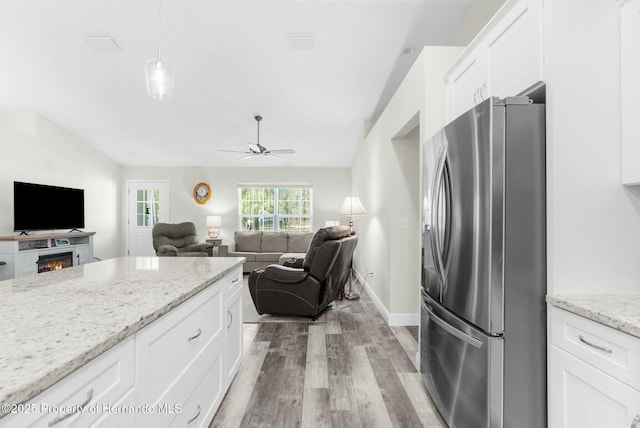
(57, 322)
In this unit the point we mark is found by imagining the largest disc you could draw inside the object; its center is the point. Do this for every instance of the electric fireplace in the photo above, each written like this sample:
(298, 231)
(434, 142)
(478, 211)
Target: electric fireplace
(49, 262)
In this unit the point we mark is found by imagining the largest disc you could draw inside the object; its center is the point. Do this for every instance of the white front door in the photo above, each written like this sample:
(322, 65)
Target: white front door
(148, 205)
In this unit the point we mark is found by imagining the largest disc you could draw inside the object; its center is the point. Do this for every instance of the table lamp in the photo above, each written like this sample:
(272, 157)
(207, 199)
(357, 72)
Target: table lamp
(213, 222)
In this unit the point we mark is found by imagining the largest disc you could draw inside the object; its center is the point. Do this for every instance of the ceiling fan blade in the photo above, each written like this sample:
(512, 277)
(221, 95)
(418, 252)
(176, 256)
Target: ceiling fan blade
(274, 156)
(248, 156)
(233, 151)
(283, 151)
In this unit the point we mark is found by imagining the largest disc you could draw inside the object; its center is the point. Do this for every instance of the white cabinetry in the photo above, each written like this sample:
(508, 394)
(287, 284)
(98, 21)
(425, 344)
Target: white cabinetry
(173, 372)
(25, 263)
(505, 59)
(467, 82)
(174, 348)
(233, 311)
(594, 374)
(630, 90)
(21, 253)
(84, 398)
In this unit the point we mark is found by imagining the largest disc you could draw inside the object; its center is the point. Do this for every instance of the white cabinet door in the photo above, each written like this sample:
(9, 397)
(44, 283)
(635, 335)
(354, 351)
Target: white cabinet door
(581, 396)
(83, 254)
(514, 50)
(467, 84)
(26, 263)
(506, 59)
(233, 345)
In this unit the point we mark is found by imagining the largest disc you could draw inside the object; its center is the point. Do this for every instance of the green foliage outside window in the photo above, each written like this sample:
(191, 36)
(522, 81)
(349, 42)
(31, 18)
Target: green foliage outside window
(275, 209)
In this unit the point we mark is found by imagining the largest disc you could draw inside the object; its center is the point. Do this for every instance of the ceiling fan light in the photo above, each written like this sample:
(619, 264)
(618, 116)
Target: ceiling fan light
(159, 77)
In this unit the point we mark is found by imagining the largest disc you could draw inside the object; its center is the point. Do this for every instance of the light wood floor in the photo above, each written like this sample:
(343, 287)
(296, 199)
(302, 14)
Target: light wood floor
(352, 371)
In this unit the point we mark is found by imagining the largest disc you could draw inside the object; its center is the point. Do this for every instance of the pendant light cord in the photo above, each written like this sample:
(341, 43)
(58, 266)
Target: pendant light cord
(159, 25)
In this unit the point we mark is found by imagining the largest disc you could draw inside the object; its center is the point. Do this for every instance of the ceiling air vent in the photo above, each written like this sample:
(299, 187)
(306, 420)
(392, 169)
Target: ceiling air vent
(102, 43)
(302, 41)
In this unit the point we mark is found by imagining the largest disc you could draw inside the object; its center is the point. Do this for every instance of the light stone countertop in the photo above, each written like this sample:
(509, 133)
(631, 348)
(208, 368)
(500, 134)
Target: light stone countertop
(619, 311)
(55, 322)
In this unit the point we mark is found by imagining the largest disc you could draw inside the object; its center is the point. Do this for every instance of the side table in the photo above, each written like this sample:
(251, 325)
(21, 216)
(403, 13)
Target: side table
(216, 243)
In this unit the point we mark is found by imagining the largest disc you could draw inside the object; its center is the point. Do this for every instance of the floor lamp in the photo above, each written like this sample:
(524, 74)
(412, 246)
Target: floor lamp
(351, 207)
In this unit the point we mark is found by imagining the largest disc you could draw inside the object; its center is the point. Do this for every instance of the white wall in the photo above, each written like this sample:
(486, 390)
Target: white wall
(593, 221)
(386, 176)
(330, 187)
(34, 149)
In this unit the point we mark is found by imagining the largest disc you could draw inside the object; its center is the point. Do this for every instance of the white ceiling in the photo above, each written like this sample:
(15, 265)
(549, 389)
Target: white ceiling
(231, 60)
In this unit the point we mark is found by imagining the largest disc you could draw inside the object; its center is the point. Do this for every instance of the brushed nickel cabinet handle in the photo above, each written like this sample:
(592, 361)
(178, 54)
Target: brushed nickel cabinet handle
(235, 280)
(76, 409)
(195, 336)
(195, 417)
(635, 421)
(599, 348)
(230, 319)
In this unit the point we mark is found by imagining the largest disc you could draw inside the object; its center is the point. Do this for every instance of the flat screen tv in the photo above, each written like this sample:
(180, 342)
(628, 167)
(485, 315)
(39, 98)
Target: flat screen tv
(41, 207)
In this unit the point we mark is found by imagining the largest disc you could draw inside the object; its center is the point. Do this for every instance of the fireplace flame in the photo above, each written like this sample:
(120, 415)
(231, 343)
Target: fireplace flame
(57, 265)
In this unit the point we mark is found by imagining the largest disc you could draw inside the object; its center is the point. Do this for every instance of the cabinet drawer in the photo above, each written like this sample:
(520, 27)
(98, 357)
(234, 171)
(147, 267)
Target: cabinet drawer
(169, 347)
(122, 415)
(234, 281)
(82, 396)
(613, 352)
(202, 396)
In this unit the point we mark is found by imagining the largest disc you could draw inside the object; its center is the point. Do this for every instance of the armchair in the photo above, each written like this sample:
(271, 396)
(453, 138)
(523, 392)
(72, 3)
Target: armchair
(306, 291)
(178, 240)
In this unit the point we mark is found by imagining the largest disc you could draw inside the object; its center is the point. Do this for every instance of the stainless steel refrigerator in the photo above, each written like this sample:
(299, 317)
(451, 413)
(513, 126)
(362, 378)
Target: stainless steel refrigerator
(483, 317)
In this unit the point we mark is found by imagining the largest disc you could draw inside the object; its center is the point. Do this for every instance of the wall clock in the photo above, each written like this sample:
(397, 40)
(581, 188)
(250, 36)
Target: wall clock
(201, 193)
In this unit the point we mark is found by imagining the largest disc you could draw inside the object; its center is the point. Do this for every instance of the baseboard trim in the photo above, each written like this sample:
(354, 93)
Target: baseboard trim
(392, 319)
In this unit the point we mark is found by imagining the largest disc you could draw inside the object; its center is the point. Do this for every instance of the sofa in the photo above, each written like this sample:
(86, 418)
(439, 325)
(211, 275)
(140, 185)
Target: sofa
(178, 240)
(309, 291)
(261, 249)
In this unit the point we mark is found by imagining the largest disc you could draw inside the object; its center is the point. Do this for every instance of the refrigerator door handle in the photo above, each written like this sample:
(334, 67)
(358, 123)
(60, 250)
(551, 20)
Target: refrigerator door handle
(452, 330)
(435, 218)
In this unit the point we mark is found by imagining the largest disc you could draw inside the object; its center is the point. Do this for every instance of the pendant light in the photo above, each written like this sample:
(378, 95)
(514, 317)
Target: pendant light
(158, 73)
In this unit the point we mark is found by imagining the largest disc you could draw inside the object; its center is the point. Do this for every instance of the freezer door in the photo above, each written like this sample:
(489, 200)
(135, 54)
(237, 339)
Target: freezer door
(468, 208)
(462, 369)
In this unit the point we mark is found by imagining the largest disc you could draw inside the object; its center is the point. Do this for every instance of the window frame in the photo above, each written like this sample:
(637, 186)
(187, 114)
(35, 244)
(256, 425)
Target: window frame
(277, 200)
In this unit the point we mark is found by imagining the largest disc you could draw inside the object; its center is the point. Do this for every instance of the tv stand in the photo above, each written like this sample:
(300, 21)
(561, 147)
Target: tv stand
(21, 252)
(75, 230)
(24, 232)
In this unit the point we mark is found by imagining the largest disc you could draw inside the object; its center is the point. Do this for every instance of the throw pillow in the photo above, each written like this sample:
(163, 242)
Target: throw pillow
(248, 240)
(274, 242)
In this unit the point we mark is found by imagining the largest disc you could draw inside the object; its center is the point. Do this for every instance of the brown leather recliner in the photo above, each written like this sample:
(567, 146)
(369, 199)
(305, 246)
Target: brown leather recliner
(306, 292)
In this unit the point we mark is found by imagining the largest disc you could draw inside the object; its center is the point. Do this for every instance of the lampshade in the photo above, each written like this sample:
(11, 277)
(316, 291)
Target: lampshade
(214, 221)
(352, 206)
(159, 77)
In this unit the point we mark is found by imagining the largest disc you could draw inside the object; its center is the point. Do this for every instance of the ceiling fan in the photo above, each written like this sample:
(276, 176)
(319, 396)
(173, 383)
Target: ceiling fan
(260, 150)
